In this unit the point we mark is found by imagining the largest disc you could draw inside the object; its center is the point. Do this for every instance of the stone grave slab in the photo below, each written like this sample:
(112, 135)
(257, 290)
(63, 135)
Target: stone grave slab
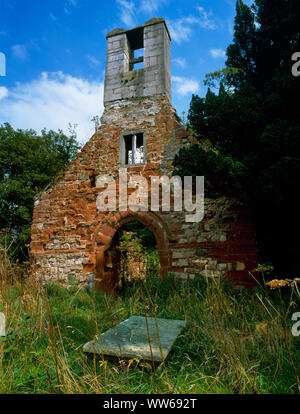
(2, 324)
(129, 339)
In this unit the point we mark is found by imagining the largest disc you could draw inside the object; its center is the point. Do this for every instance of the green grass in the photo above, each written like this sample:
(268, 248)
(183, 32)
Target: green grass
(235, 341)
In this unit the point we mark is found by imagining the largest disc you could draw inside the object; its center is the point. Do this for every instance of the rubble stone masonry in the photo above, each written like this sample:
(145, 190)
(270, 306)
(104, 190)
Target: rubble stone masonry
(69, 233)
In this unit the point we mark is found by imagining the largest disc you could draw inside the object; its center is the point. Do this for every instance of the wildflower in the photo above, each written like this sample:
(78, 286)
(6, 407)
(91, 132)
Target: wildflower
(278, 283)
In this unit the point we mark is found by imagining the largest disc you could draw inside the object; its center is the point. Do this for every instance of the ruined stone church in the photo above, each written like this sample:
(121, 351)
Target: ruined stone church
(72, 238)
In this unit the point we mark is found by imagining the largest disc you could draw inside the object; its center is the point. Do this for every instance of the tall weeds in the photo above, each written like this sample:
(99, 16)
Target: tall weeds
(235, 341)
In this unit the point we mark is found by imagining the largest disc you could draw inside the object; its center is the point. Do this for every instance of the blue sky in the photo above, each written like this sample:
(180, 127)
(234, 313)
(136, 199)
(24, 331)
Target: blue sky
(55, 54)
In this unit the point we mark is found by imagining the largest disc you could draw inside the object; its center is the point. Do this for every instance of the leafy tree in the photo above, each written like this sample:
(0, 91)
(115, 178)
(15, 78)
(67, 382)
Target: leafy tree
(226, 174)
(242, 52)
(253, 121)
(28, 163)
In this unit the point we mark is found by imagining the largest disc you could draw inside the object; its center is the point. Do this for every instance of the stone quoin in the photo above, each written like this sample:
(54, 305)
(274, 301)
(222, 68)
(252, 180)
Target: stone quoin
(72, 239)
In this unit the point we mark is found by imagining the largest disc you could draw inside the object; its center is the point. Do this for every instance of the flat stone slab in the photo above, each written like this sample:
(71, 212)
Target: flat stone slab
(130, 339)
(2, 324)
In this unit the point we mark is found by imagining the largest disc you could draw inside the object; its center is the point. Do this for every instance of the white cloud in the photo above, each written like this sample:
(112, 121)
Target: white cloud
(217, 53)
(182, 29)
(230, 24)
(205, 20)
(183, 86)
(53, 101)
(93, 61)
(68, 6)
(127, 8)
(19, 51)
(180, 61)
(150, 6)
(52, 17)
(3, 92)
(130, 8)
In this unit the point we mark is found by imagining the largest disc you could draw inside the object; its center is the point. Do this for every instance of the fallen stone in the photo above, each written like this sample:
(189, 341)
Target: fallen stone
(130, 339)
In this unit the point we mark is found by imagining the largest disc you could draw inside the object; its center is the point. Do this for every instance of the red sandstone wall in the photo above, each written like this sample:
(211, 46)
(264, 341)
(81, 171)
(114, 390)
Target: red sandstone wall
(68, 231)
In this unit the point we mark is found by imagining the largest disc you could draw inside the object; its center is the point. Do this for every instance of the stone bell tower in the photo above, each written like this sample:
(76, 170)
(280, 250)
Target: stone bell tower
(147, 46)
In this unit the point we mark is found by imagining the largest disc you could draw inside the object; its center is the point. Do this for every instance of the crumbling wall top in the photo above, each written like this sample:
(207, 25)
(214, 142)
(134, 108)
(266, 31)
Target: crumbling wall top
(150, 22)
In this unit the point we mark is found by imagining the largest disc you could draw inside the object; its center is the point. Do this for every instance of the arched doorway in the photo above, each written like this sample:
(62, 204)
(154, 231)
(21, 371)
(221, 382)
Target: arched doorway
(107, 256)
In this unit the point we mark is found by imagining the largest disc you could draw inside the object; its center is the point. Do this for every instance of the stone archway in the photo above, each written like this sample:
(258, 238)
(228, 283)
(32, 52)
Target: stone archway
(107, 257)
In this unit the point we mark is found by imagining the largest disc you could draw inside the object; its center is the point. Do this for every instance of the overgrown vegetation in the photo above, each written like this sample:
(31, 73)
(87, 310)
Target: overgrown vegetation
(28, 163)
(137, 249)
(250, 125)
(235, 341)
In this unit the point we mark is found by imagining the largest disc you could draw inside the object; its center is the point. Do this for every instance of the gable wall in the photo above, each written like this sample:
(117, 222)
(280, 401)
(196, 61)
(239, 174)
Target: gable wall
(66, 222)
